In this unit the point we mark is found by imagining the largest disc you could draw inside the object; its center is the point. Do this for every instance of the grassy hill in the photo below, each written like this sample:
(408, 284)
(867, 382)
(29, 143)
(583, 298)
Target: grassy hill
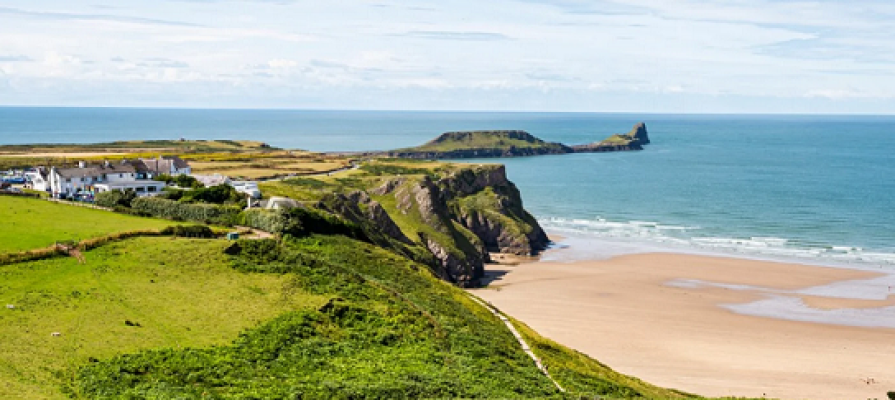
(453, 141)
(320, 317)
(481, 144)
(129, 296)
(28, 224)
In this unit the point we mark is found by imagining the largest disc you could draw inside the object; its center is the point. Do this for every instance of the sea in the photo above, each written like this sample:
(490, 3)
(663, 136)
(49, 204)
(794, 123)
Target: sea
(799, 188)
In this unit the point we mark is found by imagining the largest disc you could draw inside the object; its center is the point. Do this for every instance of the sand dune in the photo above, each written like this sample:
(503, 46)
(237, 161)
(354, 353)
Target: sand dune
(666, 318)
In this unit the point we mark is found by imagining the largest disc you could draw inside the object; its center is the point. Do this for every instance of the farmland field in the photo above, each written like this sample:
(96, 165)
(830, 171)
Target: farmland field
(27, 224)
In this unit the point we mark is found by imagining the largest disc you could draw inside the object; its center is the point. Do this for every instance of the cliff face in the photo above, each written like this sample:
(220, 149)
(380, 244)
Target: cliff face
(488, 204)
(450, 223)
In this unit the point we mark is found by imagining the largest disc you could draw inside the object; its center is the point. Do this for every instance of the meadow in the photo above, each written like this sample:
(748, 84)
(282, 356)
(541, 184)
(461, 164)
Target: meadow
(129, 296)
(27, 223)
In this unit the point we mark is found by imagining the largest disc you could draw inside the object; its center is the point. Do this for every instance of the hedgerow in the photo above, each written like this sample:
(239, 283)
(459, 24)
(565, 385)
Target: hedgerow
(203, 213)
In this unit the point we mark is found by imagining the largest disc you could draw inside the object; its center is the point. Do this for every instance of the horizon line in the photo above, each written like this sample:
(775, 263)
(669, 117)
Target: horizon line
(201, 108)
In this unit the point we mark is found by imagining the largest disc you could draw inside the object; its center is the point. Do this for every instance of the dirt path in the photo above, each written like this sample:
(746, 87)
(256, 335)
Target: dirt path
(525, 347)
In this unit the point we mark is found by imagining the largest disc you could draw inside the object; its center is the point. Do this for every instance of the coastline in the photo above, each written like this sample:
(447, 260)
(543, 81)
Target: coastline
(717, 326)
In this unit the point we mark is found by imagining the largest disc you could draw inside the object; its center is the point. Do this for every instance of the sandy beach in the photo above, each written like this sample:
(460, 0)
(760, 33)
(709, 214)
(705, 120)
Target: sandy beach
(715, 326)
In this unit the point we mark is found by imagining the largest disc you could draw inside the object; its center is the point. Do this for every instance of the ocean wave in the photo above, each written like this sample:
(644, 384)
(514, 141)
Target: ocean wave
(694, 237)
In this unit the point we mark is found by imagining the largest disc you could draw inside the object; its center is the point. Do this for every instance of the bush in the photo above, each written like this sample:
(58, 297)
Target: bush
(115, 198)
(221, 194)
(273, 221)
(204, 213)
(184, 181)
(171, 193)
(192, 231)
(316, 221)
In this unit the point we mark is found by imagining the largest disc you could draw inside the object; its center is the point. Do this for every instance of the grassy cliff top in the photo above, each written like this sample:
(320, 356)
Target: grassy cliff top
(471, 140)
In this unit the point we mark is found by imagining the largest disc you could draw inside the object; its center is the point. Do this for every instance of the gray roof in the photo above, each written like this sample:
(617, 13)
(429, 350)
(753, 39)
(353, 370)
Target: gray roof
(178, 162)
(95, 170)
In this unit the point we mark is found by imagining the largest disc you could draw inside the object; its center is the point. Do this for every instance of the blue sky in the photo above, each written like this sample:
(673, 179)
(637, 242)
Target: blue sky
(693, 56)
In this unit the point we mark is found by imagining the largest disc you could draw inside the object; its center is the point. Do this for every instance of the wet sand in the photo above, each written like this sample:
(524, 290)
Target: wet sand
(676, 321)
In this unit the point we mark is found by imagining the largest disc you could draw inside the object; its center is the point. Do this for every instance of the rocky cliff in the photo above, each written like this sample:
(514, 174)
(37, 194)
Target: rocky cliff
(450, 220)
(633, 140)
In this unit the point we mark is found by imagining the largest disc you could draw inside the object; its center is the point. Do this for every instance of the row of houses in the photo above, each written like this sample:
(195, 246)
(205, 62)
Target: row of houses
(137, 175)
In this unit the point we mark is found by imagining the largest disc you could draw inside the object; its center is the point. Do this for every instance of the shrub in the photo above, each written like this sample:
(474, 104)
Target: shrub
(321, 222)
(273, 221)
(191, 231)
(171, 193)
(204, 213)
(30, 255)
(221, 194)
(184, 181)
(115, 198)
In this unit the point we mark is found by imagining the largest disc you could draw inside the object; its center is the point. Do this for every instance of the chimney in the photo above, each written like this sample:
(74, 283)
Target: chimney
(82, 164)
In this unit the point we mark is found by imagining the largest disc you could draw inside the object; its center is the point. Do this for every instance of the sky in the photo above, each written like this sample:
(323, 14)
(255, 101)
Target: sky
(656, 56)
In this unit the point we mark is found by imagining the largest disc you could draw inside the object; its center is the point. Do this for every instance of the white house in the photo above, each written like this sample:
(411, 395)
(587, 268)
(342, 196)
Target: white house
(39, 180)
(93, 179)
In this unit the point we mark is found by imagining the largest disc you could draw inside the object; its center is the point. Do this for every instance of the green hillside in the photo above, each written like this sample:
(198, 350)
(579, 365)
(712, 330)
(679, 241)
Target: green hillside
(355, 322)
(27, 224)
(173, 293)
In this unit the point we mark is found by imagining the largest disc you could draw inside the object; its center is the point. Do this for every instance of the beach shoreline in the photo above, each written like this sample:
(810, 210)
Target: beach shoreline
(716, 326)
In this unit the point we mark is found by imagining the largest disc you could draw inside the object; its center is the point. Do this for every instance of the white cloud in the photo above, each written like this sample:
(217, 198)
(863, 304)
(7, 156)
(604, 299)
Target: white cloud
(580, 53)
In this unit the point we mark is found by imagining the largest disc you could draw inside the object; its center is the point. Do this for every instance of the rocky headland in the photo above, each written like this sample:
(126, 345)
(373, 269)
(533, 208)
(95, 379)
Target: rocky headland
(514, 143)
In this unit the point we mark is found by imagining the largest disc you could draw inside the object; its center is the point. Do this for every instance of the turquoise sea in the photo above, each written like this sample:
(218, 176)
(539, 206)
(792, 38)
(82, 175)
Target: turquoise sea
(816, 189)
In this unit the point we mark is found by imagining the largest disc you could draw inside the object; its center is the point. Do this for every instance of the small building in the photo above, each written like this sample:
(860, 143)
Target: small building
(249, 188)
(280, 203)
(212, 180)
(39, 180)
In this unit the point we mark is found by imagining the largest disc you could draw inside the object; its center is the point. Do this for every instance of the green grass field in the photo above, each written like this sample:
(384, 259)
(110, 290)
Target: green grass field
(27, 224)
(182, 293)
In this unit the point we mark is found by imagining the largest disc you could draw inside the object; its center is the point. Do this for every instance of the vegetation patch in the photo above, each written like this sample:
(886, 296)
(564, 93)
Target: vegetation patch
(390, 330)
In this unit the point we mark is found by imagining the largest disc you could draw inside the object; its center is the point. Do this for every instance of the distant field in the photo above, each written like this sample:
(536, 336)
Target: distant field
(27, 224)
(182, 293)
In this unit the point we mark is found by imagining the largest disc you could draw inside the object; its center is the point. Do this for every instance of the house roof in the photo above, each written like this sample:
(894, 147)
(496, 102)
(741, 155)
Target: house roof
(95, 170)
(178, 162)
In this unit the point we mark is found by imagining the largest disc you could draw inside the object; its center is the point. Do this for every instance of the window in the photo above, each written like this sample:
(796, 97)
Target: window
(152, 189)
(141, 189)
(121, 175)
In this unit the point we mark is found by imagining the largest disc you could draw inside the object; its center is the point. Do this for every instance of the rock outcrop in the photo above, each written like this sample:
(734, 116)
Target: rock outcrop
(455, 220)
(633, 140)
(639, 134)
(359, 208)
(488, 204)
